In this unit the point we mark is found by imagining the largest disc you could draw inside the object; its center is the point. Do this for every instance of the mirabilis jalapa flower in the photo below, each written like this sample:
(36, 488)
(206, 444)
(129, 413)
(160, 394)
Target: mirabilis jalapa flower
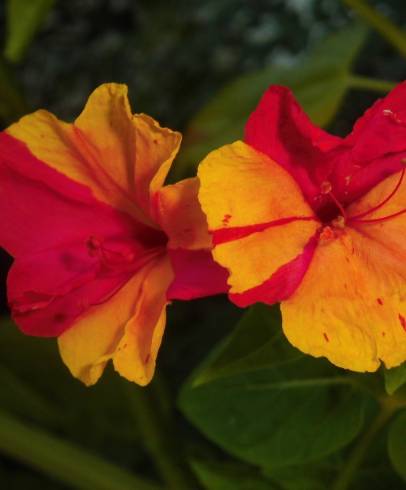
(318, 223)
(100, 246)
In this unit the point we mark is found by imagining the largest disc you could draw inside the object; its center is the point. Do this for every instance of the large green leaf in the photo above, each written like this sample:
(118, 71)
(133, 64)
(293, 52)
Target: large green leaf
(397, 444)
(24, 18)
(288, 409)
(229, 477)
(319, 81)
(242, 351)
(395, 378)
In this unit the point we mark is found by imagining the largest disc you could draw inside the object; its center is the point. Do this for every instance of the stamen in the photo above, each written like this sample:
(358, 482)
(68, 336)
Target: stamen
(378, 206)
(377, 220)
(326, 188)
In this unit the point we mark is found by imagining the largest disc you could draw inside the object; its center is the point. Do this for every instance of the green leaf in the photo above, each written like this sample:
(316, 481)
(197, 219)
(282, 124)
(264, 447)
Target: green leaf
(395, 378)
(62, 460)
(242, 351)
(215, 476)
(319, 81)
(287, 409)
(397, 444)
(23, 19)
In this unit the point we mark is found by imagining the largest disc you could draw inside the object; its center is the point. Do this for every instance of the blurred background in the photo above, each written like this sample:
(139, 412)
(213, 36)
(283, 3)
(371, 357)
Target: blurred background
(195, 66)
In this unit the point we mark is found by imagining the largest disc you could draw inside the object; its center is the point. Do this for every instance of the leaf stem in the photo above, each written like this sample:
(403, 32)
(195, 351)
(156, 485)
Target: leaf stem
(160, 437)
(372, 84)
(65, 461)
(380, 23)
(358, 454)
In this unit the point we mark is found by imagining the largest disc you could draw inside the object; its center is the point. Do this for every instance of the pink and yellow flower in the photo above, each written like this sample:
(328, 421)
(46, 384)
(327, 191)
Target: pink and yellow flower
(100, 246)
(318, 223)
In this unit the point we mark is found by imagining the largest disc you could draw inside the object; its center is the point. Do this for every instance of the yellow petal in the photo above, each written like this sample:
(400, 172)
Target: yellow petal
(100, 334)
(241, 187)
(135, 356)
(253, 260)
(117, 155)
(350, 307)
(181, 216)
(389, 233)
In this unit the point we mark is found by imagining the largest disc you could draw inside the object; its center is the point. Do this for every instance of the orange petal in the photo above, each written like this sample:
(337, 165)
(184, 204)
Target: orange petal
(135, 356)
(350, 307)
(241, 187)
(181, 216)
(117, 155)
(133, 316)
(388, 233)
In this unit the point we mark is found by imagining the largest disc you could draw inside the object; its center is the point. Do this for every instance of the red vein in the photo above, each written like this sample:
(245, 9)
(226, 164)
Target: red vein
(224, 235)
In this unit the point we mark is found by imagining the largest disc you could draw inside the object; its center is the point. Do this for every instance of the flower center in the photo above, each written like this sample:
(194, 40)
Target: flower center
(339, 218)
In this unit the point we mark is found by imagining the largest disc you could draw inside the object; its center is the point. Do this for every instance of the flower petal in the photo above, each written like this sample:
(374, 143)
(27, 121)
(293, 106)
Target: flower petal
(196, 275)
(128, 329)
(282, 283)
(117, 155)
(375, 148)
(281, 129)
(136, 353)
(350, 307)
(47, 223)
(181, 217)
(250, 198)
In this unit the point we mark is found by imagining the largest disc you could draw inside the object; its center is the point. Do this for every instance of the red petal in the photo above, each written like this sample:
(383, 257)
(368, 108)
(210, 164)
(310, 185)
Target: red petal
(47, 221)
(196, 275)
(280, 129)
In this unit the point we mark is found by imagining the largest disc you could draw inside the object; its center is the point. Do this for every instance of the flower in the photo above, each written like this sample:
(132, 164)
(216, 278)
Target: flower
(100, 246)
(318, 223)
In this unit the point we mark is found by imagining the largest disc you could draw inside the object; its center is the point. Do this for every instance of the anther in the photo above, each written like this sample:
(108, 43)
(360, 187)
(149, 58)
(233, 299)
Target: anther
(393, 116)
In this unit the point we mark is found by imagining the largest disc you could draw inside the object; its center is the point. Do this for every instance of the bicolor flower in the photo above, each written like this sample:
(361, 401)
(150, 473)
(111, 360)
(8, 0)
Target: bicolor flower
(318, 223)
(100, 246)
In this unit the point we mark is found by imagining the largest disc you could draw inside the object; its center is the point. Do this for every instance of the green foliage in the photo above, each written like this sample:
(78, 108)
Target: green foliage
(397, 444)
(12, 104)
(30, 371)
(287, 409)
(395, 378)
(62, 460)
(24, 18)
(215, 476)
(319, 81)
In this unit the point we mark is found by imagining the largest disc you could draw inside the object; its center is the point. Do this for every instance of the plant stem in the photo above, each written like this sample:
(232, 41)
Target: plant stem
(160, 438)
(380, 23)
(70, 464)
(357, 456)
(357, 81)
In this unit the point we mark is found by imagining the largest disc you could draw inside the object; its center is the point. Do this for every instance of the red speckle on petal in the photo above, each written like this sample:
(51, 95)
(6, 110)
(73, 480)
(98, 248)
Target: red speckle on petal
(379, 301)
(226, 219)
(148, 357)
(326, 337)
(383, 334)
(402, 321)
